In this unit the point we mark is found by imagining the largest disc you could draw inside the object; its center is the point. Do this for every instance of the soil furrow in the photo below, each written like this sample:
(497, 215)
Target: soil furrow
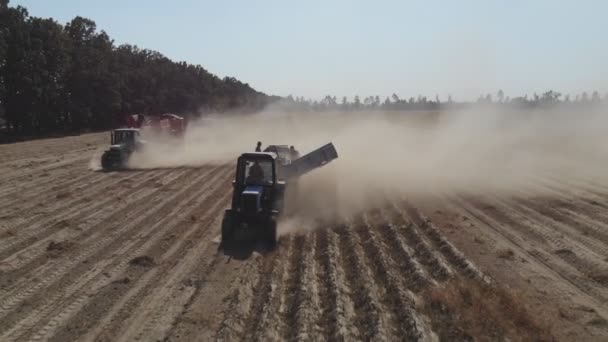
(588, 215)
(31, 190)
(155, 302)
(84, 257)
(569, 226)
(103, 271)
(450, 252)
(369, 317)
(54, 199)
(403, 256)
(337, 312)
(79, 206)
(520, 237)
(574, 252)
(240, 303)
(263, 322)
(430, 259)
(395, 296)
(35, 238)
(29, 172)
(34, 251)
(300, 287)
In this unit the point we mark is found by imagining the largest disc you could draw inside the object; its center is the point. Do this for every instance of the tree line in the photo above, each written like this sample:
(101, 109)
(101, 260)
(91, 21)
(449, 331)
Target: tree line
(70, 78)
(394, 102)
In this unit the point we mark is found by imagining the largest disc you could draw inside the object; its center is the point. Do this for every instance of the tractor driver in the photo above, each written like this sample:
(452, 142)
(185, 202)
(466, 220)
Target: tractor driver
(258, 147)
(294, 153)
(256, 174)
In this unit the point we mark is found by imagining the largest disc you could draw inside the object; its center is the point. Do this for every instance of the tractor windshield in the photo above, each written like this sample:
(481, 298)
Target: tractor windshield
(258, 172)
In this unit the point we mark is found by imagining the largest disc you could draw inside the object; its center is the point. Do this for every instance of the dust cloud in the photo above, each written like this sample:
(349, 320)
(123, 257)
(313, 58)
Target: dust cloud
(481, 150)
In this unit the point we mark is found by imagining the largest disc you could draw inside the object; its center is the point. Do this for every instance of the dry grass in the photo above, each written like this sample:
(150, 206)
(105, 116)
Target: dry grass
(467, 310)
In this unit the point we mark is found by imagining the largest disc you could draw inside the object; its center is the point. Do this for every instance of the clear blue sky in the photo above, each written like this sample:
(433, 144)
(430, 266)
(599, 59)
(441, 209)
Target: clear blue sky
(313, 48)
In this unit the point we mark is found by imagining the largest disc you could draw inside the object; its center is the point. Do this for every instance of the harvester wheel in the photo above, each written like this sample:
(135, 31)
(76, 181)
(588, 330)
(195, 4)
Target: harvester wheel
(227, 228)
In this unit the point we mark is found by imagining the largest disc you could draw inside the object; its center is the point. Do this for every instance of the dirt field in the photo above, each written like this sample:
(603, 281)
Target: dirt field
(125, 256)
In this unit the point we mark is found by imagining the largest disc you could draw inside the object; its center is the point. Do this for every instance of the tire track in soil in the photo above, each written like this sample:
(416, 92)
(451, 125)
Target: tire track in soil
(593, 188)
(18, 292)
(147, 309)
(71, 199)
(183, 258)
(34, 254)
(59, 181)
(67, 288)
(395, 297)
(12, 177)
(240, 303)
(550, 211)
(588, 222)
(430, 259)
(572, 195)
(39, 160)
(569, 226)
(568, 191)
(65, 210)
(587, 181)
(48, 146)
(32, 189)
(368, 310)
(587, 215)
(337, 310)
(31, 243)
(101, 244)
(519, 238)
(572, 251)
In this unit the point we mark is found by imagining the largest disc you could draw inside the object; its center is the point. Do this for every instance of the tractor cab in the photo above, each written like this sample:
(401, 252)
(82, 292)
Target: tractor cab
(260, 187)
(124, 142)
(256, 187)
(257, 198)
(128, 137)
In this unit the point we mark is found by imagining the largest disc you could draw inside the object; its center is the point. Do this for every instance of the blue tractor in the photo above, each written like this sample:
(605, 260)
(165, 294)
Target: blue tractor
(259, 189)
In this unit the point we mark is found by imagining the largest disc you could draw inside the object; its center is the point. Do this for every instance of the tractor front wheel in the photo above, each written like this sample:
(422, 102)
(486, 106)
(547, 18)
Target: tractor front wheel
(227, 228)
(106, 163)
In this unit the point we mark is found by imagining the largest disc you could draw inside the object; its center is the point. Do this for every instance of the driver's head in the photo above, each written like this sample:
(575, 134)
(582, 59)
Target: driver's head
(259, 143)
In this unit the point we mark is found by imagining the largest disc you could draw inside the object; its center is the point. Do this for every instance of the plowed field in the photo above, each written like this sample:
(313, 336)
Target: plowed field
(134, 255)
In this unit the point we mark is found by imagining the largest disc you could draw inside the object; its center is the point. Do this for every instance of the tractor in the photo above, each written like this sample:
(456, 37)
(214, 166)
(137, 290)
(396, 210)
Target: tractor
(258, 197)
(124, 142)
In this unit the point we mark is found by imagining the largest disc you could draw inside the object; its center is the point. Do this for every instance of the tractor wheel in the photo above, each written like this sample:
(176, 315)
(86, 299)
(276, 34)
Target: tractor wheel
(271, 234)
(227, 228)
(106, 163)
